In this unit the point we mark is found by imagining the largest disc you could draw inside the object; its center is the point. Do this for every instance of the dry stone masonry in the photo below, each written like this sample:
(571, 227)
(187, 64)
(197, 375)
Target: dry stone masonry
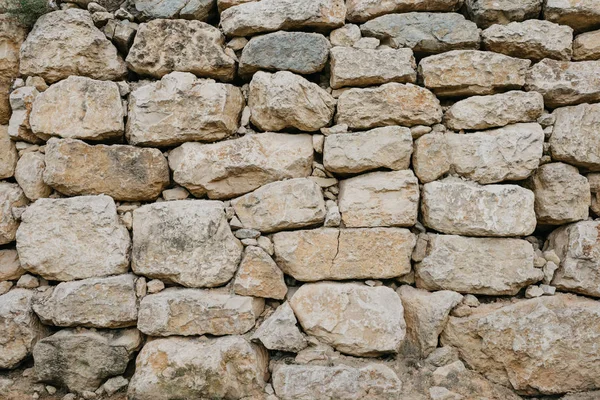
(300, 200)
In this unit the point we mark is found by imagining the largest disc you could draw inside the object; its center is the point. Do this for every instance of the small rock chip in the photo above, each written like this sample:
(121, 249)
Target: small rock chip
(21, 102)
(10, 267)
(11, 196)
(28, 282)
(259, 276)
(29, 174)
(279, 331)
(347, 35)
(8, 154)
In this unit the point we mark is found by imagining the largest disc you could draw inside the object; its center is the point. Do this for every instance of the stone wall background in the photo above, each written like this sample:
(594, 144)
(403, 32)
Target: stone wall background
(301, 199)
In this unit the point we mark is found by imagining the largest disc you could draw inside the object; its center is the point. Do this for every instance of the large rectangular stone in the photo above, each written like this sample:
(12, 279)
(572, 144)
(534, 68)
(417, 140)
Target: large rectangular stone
(489, 12)
(364, 10)
(581, 15)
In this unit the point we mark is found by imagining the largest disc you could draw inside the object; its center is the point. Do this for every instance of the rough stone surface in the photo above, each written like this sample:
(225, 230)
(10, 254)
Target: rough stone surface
(188, 242)
(29, 174)
(363, 10)
(431, 157)
(8, 154)
(580, 15)
(587, 46)
(10, 267)
(92, 241)
(12, 35)
(279, 331)
(21, 101)
(489, 12)
(11, 196)
(259, 276)
(185, 9)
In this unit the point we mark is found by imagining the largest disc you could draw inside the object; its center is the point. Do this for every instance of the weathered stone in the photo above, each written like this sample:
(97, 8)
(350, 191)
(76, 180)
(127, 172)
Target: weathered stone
(531, 39)
(389, 104)
(186, 312)
(587, 46)
(273, 15)
(79, 108)
(10, 267)
(158, 50)
(535, 346)
(424, 33)
(431, 157)
(366, 67)
(426, 315)
(180, 108)
(564, 83)
(29, 174)
(488, 266)
(125, 173)
(21, 328)
(472, 72)
(459, 207)
(355, 319)
(235, 167)
(367, 382)
(483, 112)
(299, 52)
(184, 9)
(11, 196)
(8, 154)
(21, 102)
(285, 100)
(290, 204)
(279, 331)
(187, 242)
(562, 195)
(94, 302)
(225, 4)
(347, 35)
(581, 15)
(488, 12)
(259, 276)
(82, 359)
(65, 43)
(363, 10)
(379, 199)
(12, 35)
(230, 367)
(367, 253)
(76, 238)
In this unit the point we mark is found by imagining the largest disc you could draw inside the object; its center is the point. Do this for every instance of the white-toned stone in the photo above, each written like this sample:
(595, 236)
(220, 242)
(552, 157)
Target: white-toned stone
(28, 282)
(581, 15)
(488, 12)
(21, 103)
(12, 35)
(11, 196)
(8, 154)
(259, 276)
(431, 157)
(29, 174)
(184, 9)
(347, 35)
(363, 10)
(279, 331)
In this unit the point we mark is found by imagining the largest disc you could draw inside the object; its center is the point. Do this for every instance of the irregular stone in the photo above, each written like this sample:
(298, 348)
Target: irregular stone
(285, 100)
(186, 312)
(369, 382)
(64, 43)
(21, 102)
(564, 83)
(471, 265)
(279, 331)
(581, 15)
(299, 52)
(488, 12)
(187, 242)
(8, 154)
(11, 196)
(389, 104)
(354, 319)
(113, 385)
(459, 207)
(28, 282)
(426, 315)
(180, 108)
(366, 67)
(347, 35)
(75, 238)
(531, 39)
(21, 328)
(472, 72)
(126, 173)
(423, 32)
(483, 112)
(587, 46)
(227, 169)
(79, 108)
(562, 195)
(29, 174)
(259, 276)
(251, 18)
(82, 359)
(157, 50)
(225, 4)
(431, 157)
(12, 35)
(290, 204)
(363, 10)
(177, 9)
(364, 253)
(534, 346)
(95, 302)
(10, 267)
(379, 199)
(230, 367)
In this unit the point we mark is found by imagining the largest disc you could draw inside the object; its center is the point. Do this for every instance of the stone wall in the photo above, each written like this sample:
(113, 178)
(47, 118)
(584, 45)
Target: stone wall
(301, 200)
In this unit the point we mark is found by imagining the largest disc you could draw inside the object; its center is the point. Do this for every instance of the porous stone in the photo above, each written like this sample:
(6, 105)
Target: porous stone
(472, 72)
(225, 4)
(587, 46)
(125, 173)
(285, 100)
(363, 253)
(363, 10)
(186, 312)
(459, 207)
(227, 169)
(21, 101)
(8, 154)
(581, 15)
(366, 67)
(230, 367)
(76, 238)
(472, 265)
(184, 9)
(180, 108)
(488, 12)
(279, 331)
(431, 157)
(354, 319)
(157, 50)
(79, 108)
(11, 196)
(250, 18)
(424, 32)
(389, 104)
(299, 52)
(356, 152)
(12, 35)
(82, 359)
(10, 267)
(259, 276)
(29, 174)
(94, 302)
(347, 35)
(64, 43)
